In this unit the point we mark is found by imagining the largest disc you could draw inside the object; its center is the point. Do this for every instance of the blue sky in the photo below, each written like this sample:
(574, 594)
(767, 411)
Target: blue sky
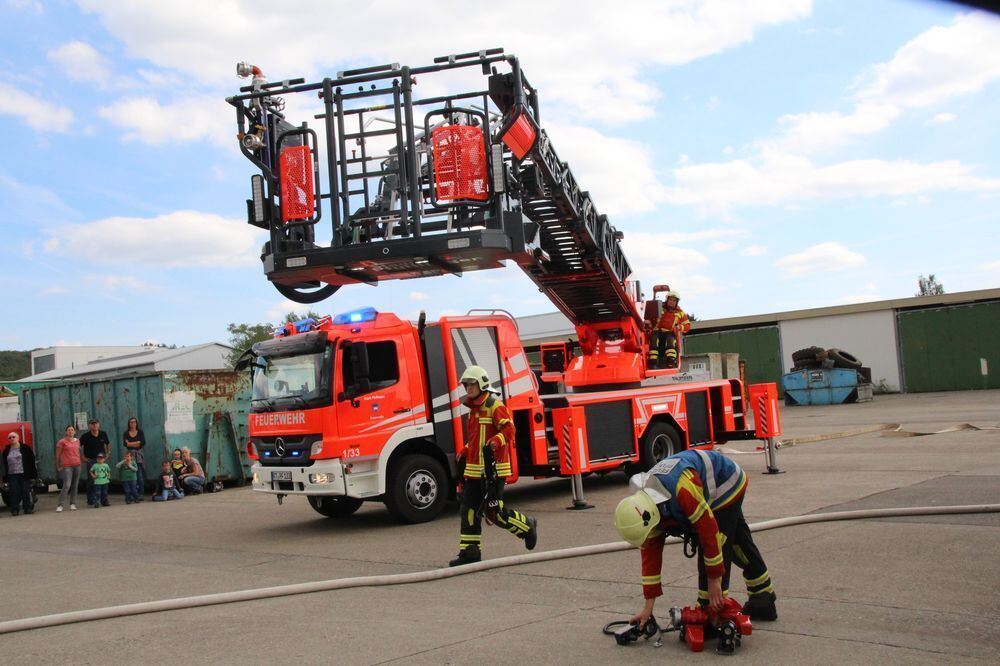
(758, 156)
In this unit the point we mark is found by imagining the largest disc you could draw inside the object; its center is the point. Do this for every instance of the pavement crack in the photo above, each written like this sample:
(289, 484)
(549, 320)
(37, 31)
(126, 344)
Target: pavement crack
(864, 642)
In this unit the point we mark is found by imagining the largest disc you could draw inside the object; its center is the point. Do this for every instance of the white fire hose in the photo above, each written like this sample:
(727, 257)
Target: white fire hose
(125, 610)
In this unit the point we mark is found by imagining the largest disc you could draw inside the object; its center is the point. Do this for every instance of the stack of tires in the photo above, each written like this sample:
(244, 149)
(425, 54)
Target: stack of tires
(818, 357)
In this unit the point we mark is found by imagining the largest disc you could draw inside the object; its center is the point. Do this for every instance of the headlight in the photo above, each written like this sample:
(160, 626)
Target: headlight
(316, 448)
(322, 478)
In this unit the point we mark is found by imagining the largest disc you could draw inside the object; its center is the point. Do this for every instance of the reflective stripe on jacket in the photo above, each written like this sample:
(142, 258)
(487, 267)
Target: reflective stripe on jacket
(490, 422)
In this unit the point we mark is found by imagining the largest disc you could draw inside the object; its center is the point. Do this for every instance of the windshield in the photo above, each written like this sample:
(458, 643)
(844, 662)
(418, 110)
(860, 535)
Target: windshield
(287, 382)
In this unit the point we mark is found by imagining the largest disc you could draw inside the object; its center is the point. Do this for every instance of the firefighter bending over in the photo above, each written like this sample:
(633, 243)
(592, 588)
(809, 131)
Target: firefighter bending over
(486, 463)
(672, 323)
(698, 494)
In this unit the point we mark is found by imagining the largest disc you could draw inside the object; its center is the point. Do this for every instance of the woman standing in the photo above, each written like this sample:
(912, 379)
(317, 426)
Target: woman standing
(135, 441)
(68, 468)
(18, 471)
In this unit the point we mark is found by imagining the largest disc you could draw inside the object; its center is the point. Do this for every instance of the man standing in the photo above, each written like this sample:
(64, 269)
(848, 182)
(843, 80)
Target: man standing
(486, 464)
(673, 323)
(698, 494)
(93, 442)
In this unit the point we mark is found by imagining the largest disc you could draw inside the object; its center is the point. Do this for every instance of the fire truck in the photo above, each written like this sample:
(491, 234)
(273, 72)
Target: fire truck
(366, 406)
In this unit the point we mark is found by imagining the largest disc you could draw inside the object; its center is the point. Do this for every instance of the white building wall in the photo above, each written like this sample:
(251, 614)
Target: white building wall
(74, 357)
(9, 410)
(870, 336)
(210, 357)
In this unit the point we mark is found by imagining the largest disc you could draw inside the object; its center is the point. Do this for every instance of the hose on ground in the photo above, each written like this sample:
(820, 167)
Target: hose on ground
(24, 624)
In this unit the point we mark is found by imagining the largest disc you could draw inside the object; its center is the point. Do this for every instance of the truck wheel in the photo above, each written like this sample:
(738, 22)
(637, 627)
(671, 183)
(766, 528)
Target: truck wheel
(807, 354)
(417, 489)
(842, 359)
(335, 507)
(659, 441)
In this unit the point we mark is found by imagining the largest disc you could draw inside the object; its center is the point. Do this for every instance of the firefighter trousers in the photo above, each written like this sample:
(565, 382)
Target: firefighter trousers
(738, 549)
(664, 350)
(473, 494)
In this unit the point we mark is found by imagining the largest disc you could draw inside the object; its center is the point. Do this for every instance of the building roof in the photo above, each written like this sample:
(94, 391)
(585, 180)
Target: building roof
(154, 359)
(554, 327)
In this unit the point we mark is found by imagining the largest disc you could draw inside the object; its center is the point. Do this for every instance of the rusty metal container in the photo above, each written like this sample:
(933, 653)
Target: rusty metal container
(204, 410)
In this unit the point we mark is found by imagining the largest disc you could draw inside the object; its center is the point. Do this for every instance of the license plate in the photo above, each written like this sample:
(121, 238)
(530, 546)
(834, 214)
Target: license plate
(281, 476)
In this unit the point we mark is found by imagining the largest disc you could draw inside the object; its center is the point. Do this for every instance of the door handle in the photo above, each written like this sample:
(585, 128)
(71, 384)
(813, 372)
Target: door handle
(402, 410)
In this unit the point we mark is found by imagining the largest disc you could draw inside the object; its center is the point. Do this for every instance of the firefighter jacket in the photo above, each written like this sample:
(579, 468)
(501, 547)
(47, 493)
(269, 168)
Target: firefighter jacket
(688, 488)
(671, 319)
(490, 423)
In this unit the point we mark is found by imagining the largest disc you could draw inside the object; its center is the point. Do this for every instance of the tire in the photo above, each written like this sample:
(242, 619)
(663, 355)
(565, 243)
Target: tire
(335, 507)
(417, 489)
(807, 354)
(806, 364)
(842, 359)
(659, 441)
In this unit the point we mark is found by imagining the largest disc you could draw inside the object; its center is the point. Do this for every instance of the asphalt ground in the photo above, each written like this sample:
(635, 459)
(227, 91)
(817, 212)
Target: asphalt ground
(904, 590)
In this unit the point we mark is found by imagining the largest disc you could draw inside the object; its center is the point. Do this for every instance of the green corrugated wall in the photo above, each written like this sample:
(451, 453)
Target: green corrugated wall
(942, 348)
(759, 347)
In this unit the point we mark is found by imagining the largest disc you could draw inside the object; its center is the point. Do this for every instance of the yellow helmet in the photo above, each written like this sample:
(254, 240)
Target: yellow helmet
(635, 517)
(474, 373)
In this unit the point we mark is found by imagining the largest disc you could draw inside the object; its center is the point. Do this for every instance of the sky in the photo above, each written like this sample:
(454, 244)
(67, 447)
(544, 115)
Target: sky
(758, 156)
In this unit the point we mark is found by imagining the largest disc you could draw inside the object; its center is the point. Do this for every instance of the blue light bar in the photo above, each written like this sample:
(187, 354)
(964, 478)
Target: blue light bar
(305, 325)
(356, 316)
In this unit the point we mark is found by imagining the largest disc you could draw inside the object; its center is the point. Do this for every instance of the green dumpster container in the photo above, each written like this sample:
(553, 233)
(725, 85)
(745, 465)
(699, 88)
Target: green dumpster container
(204, 410)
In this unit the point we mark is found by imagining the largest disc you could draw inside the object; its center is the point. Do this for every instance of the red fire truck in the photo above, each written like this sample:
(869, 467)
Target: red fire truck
(365, 405)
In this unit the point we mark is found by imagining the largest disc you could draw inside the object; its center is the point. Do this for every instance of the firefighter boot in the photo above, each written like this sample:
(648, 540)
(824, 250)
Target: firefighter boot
(531, 538)
(760, 607)
(466, 556)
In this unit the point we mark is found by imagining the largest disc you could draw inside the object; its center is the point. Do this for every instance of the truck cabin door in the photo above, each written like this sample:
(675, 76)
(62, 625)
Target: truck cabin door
(372, 396)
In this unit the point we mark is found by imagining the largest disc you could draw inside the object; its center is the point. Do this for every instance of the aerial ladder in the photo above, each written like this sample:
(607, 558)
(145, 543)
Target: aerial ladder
(418, 187)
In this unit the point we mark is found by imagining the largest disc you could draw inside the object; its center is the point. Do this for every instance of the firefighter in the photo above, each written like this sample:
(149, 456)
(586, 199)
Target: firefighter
(698, 495)
(672, 323)
(486, 463)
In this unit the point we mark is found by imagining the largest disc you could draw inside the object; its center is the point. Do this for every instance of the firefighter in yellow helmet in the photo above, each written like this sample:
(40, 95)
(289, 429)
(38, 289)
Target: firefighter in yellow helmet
(699, 495)
(486, 463)
(672, 324)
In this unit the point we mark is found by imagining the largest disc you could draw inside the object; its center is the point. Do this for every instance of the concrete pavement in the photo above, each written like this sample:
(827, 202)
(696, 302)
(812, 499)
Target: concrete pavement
(913, 590)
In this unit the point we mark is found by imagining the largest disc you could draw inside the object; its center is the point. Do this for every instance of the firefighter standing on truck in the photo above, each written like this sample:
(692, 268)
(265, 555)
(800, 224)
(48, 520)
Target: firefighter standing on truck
(699, 492)
(486, 463)
(672, 323)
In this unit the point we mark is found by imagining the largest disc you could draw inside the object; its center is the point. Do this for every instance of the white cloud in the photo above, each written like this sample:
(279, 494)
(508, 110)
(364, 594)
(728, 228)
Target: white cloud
(67, 343)
(605, 82)
(940, 63)
(277, 312)
(114, 283)
(780, 178)
(993, 266)
(942, 118)
(419, 296)
(753, 250)
(867, 294)
(821, 258)
(82, 62)
(937, 65)
(53, 291)
(722, 246)
(144, 119)
(32, 5)
(181, 239)
(655, 260)
(619, 173)
(33, 111)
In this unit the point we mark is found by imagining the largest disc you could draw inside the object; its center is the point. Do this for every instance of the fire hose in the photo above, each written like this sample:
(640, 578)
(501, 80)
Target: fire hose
(58, 619)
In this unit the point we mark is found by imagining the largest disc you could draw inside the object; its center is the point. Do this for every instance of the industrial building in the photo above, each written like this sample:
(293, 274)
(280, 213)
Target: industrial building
(98, 362)
(924, 343)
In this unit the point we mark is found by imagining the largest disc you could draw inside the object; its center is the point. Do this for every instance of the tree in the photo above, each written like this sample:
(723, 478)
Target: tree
(929, 286)
(244, 336)
(14, 365)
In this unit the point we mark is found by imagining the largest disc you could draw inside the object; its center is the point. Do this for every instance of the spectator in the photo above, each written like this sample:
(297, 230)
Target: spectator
(126, 472)
(68, 468)
(93, 442)
(166, 488)
(135, 441)
(18, 464)
(100, 472)
(193, 476)
(177, 465)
